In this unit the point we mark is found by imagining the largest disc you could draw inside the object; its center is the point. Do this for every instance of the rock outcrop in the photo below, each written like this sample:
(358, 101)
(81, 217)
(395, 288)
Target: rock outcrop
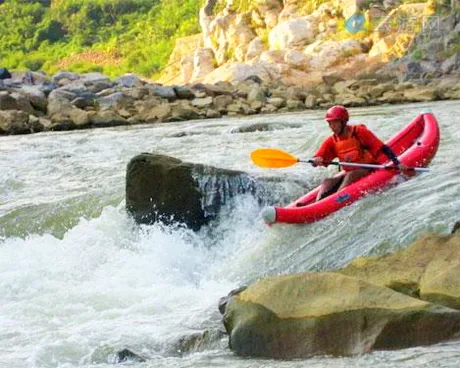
(407, 298)
(429, 269)
(68, 101)
(298, 316)
(165, 189)
(291, 37)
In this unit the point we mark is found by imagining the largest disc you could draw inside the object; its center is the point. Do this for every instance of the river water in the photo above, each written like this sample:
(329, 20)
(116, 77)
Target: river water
(80, 281)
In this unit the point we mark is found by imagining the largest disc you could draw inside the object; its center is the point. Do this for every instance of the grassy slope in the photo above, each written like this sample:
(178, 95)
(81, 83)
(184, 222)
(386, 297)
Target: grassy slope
(111, 36)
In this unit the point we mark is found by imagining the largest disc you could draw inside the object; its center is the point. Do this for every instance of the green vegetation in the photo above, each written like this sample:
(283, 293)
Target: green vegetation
(239, 6)
(111, 36)
(417, 55)
(309, 6)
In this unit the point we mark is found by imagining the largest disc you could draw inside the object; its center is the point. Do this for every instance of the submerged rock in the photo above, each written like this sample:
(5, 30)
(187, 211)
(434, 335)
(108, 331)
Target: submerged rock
(198, 341)
(303, 315)
(127, 356)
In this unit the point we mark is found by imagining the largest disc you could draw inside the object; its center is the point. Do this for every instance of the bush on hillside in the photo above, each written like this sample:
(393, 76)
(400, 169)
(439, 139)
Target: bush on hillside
(40, 34)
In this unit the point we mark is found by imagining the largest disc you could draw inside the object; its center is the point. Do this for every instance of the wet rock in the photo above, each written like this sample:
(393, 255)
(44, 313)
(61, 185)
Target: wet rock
(455, 227)
(127, 356)
(196, 342)
(225, 299)
(162, 188)
(106, 119)
(182, 112)
(14, 122)
(429, 269)
(63, 125)
(160, 112)
(302, 315)
(38, 124)
(7, 102)
(184, 93)
(258, 127)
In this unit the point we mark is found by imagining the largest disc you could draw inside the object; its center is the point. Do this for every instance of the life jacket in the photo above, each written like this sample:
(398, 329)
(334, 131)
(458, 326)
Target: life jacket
(349, 149)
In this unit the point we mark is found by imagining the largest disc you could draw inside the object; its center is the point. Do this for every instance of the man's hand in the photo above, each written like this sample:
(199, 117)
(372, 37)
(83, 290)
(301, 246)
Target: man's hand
(403, 168)
(318, 161)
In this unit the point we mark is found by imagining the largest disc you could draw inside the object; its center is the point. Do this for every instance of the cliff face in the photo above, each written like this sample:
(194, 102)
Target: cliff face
(295, 42)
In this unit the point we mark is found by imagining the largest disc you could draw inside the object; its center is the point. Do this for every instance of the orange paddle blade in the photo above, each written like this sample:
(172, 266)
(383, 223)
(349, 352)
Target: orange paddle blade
(274, 158)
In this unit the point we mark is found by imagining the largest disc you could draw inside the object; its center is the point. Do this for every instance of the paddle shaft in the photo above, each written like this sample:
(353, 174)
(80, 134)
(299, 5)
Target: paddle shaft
(370, 166)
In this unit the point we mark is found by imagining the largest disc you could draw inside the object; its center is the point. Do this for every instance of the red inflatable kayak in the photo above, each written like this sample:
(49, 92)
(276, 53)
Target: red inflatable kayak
(415, 145)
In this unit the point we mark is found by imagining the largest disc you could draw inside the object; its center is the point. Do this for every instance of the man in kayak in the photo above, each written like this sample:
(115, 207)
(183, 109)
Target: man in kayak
(350, 143)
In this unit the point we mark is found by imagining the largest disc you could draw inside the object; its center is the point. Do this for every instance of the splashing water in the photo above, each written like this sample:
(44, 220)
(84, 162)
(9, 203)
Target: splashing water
(79, 280)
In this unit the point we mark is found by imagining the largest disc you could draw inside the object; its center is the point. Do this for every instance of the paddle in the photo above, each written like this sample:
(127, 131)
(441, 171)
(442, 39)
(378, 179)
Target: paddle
(275, 158)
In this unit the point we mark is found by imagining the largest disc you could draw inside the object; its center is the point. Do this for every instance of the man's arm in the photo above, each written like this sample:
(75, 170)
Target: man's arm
(325, 153)
(390, 154)
(375, 146)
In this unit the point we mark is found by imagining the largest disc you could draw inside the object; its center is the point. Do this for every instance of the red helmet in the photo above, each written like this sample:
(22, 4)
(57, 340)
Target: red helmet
(337, 112)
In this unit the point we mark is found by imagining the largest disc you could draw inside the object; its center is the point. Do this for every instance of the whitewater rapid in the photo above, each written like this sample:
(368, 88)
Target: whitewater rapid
(79, 280)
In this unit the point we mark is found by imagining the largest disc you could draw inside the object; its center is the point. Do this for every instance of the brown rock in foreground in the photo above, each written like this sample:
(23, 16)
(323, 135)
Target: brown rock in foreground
(429, 269)
(303, 315)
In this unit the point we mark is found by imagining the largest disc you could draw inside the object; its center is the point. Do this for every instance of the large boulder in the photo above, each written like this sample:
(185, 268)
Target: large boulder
(4, 73)
(7, 102)
(14, 122)
(297, 316)
(237, 72)
(292, 34)
(203, 63)
(163, 188)
(429, 269)
(36, 96)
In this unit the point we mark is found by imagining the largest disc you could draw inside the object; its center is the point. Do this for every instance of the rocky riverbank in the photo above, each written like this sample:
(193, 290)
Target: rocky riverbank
(408, 298)
(34, 102)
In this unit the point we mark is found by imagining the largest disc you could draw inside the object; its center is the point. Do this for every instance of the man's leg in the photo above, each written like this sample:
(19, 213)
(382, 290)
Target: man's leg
(329, 186)
(352, 176)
